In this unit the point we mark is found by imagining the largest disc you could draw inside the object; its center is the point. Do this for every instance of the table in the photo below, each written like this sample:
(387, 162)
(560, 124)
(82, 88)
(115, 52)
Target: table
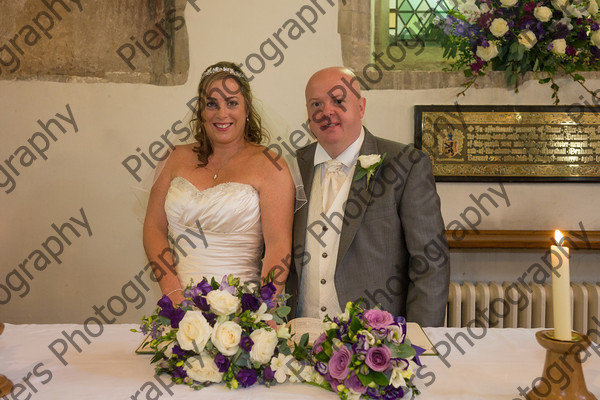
(474, 364)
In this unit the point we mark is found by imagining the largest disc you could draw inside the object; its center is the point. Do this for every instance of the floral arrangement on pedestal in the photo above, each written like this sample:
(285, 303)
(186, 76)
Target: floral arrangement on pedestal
(517, 36)
(220, 334)
(365, 354)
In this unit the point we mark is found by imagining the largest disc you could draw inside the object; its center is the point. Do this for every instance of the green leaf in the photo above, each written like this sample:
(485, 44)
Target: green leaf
(322, 357)
(364, 379)
(355, 325)
(402, 350)
(360, 173)
(283, 311)
(544, 81)
(379, 378)
(578, 78)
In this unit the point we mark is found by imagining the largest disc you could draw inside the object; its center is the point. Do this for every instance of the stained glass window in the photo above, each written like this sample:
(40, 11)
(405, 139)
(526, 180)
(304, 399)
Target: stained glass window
(410, 19)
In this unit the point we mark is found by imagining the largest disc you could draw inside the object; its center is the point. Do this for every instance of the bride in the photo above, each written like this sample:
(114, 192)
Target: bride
(220, 205)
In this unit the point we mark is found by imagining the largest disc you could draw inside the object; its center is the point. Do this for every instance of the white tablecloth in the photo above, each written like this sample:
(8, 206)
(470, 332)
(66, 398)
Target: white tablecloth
(488, 364)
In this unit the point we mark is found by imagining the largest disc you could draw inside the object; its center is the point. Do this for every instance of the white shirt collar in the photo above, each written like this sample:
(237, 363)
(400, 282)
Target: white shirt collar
(348, 156)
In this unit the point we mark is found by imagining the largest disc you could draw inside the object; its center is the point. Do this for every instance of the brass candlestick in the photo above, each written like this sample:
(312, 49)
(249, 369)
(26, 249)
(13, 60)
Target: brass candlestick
(5, 383)
(561, 356)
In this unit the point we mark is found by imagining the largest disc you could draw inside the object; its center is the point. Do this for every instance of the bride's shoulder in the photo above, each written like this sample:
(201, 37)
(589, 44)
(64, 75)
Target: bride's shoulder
(268, 160)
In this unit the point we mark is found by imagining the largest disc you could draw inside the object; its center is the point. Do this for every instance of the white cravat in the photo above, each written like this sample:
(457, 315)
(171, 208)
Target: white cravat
(334, 178)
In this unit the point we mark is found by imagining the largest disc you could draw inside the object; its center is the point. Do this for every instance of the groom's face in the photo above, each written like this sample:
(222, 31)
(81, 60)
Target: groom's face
(334, 110)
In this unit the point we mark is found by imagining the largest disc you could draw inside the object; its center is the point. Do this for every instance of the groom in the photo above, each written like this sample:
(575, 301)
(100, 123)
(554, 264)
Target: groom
(384, 243)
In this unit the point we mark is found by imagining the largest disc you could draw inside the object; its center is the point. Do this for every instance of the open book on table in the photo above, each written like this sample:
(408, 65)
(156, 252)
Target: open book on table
(314, 328)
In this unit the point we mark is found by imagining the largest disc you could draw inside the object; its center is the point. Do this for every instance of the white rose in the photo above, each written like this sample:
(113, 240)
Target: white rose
(527, 38)
(483, 8)
(487, 53)
(593, 8)
(559, 46)
(265, 342)
(508, 3)
(202, 368)
(560, 4)
(470, 10)
(226, 337)
(222, 302)
(595, 37)
(498, 27)
(367, 161)
(542, 13)
(194, 331)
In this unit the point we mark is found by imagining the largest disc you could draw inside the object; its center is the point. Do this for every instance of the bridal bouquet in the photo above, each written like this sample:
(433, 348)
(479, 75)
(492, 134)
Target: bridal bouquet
(220, 334)
(365, 354)
(516, 36)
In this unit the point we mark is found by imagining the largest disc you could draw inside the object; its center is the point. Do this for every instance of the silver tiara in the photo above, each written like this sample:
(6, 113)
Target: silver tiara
(214, 70)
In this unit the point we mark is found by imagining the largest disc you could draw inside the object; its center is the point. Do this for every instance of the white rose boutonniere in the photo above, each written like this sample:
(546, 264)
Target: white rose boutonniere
(368, 165)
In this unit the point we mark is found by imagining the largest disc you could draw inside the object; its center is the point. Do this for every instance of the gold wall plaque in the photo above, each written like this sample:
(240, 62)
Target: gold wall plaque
(511, 143)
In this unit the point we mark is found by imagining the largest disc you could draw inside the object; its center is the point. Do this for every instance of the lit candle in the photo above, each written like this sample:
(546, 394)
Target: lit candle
(561, 288)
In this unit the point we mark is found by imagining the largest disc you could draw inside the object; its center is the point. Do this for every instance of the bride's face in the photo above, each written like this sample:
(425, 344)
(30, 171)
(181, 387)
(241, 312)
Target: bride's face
(224, 114)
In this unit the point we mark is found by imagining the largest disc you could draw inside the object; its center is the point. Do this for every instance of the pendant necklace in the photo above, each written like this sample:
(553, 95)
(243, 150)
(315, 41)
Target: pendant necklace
(225, 163)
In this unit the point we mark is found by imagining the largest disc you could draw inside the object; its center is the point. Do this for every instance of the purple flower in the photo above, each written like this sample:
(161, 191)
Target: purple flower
(321, 368)
(201, 303)
(373, 393)
(165, 302)
(179, 372)
(595, 26)
(477, 65)
(595, 51)
(268, 374)
(392, 393)
(529, 7)
(222, 362)
(246, 377)
(249, 302)
(191, 292)
(179, 352)
(361, 346)
(378, 319)
(226, 286)
(317, 345)
(582, 34)
(378, 358)
(561, 31)
(210, 318)
(204, 287)
(339, 363)
(246, 343)
(267, 291)
(571, 51)
(353, 383)
(176, 317)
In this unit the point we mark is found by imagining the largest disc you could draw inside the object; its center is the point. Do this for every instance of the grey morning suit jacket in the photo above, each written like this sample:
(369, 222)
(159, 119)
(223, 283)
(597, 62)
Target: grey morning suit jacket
(392, 249)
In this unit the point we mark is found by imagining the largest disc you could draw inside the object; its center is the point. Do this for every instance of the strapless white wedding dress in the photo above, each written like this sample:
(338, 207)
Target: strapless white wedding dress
(219, 230)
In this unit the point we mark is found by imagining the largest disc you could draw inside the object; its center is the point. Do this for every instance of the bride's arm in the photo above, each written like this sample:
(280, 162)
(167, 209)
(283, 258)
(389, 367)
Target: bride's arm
(277, 213)
(155, 237)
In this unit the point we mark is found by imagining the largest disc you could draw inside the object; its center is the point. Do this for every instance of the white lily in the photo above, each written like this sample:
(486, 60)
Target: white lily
(261, 314)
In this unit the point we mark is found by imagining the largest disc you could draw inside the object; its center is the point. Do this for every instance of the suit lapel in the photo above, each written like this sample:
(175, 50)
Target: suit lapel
(358, 198)
(305, 161)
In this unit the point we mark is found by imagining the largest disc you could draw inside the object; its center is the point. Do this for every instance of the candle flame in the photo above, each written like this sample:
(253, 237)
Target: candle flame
(558, 237)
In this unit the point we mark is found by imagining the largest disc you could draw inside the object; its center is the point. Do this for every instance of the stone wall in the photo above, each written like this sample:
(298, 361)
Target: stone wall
(117, 41)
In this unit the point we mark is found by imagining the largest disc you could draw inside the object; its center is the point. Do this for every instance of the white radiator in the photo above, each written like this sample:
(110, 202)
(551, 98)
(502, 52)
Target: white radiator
(514, 305)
